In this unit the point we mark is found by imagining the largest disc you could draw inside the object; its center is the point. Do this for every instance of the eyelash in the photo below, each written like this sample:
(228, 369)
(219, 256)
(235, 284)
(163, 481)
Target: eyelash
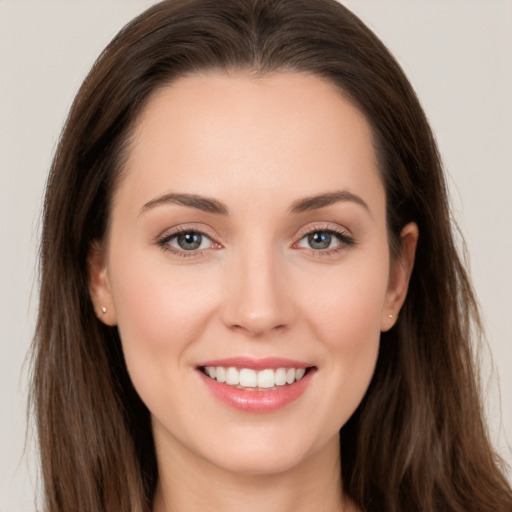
(163, 242)
(345, 242)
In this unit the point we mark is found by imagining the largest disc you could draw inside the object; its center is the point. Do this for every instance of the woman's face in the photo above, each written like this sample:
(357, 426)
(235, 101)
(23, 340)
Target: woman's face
(248, 241)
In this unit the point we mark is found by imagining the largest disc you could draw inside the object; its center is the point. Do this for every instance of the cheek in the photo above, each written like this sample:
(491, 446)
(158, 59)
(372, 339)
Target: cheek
(347, 306)
(161, 312)
(346, 316)
(160, 309)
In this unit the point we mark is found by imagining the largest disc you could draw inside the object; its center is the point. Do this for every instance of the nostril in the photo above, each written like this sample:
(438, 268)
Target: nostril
(258, 329)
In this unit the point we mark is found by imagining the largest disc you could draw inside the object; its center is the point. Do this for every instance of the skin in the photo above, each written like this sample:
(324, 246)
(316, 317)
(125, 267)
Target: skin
(256, 287)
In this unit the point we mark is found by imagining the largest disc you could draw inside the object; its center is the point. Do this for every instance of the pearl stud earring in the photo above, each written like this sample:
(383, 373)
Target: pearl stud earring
(103, 309)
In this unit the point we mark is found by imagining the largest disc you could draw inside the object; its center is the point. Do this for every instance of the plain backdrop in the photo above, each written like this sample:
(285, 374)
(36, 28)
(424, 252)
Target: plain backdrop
(457, 54)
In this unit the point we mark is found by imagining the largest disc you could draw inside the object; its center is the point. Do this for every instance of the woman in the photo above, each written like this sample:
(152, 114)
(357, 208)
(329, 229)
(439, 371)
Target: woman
(240, 303)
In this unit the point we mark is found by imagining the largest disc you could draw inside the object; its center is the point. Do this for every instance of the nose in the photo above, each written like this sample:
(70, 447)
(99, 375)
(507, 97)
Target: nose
(258, 300)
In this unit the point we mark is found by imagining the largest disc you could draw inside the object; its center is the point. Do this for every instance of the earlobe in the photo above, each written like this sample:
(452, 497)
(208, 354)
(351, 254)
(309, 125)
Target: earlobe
(99, 285)
(400, 275)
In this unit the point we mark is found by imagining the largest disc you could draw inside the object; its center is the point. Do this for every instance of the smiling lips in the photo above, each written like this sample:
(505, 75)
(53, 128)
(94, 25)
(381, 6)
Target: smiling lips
(256, 385)
(247, 378)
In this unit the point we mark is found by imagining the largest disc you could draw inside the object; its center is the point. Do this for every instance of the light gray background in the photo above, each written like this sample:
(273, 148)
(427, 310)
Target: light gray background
(457, 54)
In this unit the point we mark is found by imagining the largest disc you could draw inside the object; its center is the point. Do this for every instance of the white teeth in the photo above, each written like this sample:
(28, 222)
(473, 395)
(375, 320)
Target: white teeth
(280, 377)
(232, 376)
(221, 374)
(253, 379)
(290, 375)
(248, 378)
(266, 379)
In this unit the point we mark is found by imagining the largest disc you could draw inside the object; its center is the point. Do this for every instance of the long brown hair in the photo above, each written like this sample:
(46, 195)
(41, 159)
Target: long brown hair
(417, 441)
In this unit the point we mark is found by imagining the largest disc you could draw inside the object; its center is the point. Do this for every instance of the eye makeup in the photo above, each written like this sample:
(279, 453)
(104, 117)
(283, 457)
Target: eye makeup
(190, 241)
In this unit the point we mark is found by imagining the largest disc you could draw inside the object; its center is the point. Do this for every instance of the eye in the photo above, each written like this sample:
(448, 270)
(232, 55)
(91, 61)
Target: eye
(325, 240)
(320, 240)
(186, 241)
(189, 241)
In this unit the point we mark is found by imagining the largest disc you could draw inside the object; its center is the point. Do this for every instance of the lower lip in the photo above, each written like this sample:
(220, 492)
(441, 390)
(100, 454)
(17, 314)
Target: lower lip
(257, 401)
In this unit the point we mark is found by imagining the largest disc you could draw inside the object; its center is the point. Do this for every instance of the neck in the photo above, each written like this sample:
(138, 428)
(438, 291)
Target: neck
(191, 483)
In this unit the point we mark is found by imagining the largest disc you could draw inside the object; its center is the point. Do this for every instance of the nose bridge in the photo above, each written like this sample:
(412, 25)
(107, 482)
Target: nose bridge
(257, 301)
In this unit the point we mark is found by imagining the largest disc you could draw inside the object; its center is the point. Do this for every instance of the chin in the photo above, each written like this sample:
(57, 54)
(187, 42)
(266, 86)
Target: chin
(260, 462)
(269, 456)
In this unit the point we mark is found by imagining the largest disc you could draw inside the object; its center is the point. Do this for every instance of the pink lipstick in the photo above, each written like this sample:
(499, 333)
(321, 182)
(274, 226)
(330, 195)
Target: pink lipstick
(256, 385)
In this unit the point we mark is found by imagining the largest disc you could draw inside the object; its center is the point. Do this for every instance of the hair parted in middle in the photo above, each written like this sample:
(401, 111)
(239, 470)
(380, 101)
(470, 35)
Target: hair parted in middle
(417, 441)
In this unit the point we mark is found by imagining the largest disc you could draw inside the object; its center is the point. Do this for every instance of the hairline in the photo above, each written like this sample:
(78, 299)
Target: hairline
(128, 138)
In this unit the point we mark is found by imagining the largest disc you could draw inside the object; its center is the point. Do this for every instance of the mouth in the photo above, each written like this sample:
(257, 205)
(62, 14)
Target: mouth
(249, 379)
(256, 386)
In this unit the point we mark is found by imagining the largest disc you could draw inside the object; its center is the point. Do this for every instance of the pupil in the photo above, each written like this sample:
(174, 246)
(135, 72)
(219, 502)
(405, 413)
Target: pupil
(319, 240)
(189, 241)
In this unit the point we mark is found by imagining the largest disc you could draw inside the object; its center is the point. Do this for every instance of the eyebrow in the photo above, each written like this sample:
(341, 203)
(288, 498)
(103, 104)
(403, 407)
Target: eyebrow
(323, 200)
(211, 205)
(206, 204)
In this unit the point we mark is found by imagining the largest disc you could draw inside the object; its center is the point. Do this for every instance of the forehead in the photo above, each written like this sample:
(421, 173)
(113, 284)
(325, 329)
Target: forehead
(283, 132)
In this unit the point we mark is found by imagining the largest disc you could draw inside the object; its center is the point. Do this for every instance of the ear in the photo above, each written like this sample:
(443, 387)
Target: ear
(399, 276)
(99, 285)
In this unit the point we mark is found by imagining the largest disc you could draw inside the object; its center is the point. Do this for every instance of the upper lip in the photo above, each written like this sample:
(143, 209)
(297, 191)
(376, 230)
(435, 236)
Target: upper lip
(256, 363)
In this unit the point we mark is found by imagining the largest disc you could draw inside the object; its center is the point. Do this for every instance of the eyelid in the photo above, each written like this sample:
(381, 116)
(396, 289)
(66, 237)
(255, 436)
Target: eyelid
(346, 239)
(163, 239)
